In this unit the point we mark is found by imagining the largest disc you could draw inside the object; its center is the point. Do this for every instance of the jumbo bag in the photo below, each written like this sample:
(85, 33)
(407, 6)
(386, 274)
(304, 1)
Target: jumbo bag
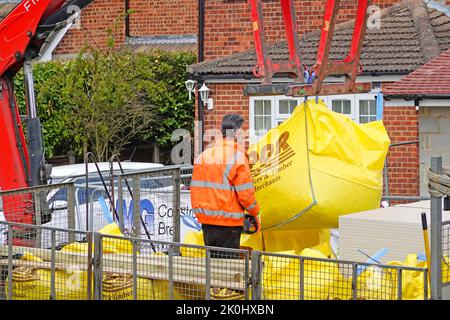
(317, 166)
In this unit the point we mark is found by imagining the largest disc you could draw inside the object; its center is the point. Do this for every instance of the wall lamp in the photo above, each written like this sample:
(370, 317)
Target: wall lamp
(204, 96)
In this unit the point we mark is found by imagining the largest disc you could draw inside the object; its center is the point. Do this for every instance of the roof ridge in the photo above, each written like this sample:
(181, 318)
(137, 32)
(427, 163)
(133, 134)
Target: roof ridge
(427, 38)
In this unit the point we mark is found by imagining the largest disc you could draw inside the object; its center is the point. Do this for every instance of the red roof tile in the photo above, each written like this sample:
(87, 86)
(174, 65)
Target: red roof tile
(433, 78)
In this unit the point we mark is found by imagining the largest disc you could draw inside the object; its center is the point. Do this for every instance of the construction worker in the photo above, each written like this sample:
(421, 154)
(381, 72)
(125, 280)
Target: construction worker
(222, 188)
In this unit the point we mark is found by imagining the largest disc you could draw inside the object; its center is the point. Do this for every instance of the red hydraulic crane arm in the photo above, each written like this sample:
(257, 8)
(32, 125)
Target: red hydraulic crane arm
(349, 67)
(18, 28)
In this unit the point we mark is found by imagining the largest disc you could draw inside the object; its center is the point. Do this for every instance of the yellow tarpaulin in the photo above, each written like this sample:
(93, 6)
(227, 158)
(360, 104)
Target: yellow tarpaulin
(316, 166)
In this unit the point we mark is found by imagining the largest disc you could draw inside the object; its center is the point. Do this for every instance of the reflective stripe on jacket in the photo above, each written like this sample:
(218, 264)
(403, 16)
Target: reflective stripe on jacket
(222, 187)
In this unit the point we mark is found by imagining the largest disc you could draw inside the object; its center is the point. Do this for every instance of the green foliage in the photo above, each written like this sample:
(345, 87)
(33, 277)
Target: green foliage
(104, 100)
(165, 74)
(51, 109)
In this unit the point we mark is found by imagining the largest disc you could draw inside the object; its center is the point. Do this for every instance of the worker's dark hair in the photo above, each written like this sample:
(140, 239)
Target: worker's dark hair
(230, 123)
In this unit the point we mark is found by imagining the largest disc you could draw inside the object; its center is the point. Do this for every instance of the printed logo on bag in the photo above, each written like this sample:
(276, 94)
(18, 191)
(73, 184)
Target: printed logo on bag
(272, 158)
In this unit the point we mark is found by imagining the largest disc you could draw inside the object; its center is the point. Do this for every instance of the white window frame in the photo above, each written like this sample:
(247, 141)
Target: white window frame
(276, 116)
(276, 104)
(252, 112)
(362, 96)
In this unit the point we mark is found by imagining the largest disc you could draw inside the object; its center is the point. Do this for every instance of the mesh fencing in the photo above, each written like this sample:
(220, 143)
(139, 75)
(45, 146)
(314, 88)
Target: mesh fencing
(179, 272)
(148, 204)
(446, 253)
(60, 271)
(49, 206)
(299, 278)
(111, 267)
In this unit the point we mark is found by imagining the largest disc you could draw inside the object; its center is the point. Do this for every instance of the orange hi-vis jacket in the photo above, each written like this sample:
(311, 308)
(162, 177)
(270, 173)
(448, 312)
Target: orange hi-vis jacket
(222, 187)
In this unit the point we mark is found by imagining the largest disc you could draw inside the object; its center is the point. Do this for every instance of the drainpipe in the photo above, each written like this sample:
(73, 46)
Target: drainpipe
(127, 19)
(200, 58)
(201, 30)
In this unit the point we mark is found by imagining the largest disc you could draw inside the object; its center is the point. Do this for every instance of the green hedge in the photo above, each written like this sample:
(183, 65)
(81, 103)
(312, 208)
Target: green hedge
(157, 78)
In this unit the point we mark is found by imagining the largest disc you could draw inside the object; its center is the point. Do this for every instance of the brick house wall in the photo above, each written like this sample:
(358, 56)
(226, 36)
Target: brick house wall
(402, 125)
(228, 98)
(163, 17)
(158, 17)
(228, 27)
(96, 18)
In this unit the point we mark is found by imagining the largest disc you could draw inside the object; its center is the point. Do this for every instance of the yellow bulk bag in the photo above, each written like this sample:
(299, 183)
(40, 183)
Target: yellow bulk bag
(281, 277)
(29, 283)
(109, 245)
(316, 166)
(297, 240)
(269, 241)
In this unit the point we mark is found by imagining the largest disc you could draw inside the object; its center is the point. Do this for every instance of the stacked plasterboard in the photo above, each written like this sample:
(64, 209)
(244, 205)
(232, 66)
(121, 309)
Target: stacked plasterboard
(397, 228)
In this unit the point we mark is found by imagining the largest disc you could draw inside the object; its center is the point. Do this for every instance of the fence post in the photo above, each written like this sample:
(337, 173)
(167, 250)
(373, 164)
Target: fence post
(354, 281)
(399, 284)
(176, 177)
(436, 237)
(425, 284)
(170, 272)
(246, 272)
(89, 265)
(135, 275)
(302, 279)
(208, 274)
(71, 211)
(256, 275)
(120, 200)
(98, 266)
(136, 207)
(53, 266)
(38, 215)
(10, 268)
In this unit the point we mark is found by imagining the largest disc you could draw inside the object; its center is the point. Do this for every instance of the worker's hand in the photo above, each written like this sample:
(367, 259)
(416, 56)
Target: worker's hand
(252, 224)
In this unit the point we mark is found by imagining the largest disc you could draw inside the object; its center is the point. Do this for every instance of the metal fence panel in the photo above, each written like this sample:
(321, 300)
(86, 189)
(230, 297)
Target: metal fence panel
(289, 277)
(149, 203)
(446, 253)
(49, 206)
(57, 272)
(180, 272)
(123, 268)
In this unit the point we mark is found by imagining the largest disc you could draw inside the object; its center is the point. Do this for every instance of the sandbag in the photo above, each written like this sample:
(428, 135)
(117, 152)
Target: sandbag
(316, 166)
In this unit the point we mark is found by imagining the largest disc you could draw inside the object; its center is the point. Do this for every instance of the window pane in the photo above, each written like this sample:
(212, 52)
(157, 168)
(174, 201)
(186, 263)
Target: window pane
(287, 106)
(363, 107)
(267, 104)
(267, 123)
(367, 111)
(293, 104)
(284, 107)
(347, 107)
(259, 107)
(258, 122)
(336, 106)
(373, 107)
